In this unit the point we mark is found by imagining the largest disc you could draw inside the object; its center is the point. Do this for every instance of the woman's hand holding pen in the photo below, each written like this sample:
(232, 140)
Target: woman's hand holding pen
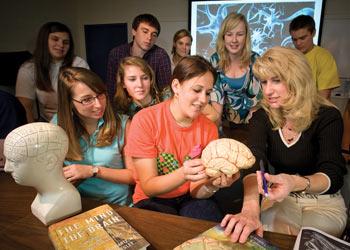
(279, 185)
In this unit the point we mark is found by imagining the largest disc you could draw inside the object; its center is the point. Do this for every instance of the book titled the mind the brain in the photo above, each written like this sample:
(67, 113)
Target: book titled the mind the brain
(98, 228)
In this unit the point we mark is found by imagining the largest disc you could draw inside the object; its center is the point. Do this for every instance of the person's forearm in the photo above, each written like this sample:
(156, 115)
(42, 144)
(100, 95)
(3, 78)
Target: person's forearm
(123, 176)
(251, 195)
(202, 189)
(162, 184)
(326, 93)
(314, 184)
(28, 106)
(30, 116)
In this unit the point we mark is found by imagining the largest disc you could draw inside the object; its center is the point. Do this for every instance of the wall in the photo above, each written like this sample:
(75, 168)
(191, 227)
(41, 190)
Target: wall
(336, 35)
(172, 15)
(21, 19)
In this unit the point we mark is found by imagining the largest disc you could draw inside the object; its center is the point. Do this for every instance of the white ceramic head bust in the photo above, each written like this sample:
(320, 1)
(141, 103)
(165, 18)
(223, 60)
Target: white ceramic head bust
(34, 156)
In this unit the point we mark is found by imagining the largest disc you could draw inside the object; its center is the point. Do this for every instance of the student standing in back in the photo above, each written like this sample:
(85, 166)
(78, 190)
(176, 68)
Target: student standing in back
(236, 91)
(37, 78)
(182, 42)
(145, 31)
(324, 68)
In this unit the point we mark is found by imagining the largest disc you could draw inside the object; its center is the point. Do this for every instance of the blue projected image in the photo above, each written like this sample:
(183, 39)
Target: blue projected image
(269, 22)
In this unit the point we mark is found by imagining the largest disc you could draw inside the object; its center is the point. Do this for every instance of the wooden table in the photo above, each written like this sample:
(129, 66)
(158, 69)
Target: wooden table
(19, 229)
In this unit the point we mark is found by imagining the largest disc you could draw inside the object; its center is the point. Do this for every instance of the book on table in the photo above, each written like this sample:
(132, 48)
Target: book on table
(312, 238)
(98, 228)
(214, 239)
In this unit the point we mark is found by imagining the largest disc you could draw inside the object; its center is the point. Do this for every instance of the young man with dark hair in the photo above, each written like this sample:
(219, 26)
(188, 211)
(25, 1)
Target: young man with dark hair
(145, 31)
(324, 68)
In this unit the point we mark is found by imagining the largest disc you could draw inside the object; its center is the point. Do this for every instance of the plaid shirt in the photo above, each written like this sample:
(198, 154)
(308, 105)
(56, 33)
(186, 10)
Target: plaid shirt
(156, 57)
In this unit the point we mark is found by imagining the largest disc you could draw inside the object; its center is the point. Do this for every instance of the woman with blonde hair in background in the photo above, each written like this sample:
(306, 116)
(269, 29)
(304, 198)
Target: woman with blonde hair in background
(297, 132)
(94, 161)
(236, 91)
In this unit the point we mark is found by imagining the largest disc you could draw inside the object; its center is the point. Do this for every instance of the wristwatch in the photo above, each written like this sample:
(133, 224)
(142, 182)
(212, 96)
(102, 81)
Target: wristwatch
(308, 185)
(95, 171)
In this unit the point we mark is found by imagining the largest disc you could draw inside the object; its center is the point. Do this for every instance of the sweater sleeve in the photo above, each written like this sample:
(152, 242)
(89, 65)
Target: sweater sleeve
(25, 83)
(330, 160)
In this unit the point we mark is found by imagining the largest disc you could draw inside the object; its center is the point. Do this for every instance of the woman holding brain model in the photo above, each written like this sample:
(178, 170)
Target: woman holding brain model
(165, 141)
(299, 133)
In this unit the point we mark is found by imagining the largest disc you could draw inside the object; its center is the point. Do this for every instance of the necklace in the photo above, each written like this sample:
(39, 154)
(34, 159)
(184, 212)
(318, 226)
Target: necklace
(289, 134)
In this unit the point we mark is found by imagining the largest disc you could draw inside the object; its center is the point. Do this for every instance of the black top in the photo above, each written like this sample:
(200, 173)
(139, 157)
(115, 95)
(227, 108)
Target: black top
(12, 114)
(317, 150)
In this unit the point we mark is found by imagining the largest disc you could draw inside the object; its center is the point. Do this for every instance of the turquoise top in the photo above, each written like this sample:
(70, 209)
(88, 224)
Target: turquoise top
(237, 95)
(108, 156)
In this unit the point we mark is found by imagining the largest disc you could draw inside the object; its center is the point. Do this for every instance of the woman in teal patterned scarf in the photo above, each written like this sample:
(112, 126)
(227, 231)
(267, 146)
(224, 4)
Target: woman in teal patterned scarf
(236, 92)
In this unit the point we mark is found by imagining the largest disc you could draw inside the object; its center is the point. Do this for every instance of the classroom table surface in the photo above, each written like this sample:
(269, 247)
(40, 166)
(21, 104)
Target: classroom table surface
(20, 229)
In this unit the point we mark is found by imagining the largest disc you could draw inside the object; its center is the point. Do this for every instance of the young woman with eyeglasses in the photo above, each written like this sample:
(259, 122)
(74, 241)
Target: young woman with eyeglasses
(94, 161)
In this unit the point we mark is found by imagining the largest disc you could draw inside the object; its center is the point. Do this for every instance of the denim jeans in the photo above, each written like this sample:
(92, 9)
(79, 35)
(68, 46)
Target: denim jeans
(205, 209)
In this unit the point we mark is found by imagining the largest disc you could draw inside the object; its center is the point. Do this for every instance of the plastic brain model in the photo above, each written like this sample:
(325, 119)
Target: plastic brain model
(226, 156)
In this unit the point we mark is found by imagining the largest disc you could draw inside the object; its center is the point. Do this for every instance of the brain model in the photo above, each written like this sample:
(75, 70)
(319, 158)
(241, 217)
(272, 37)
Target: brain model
(226, 156)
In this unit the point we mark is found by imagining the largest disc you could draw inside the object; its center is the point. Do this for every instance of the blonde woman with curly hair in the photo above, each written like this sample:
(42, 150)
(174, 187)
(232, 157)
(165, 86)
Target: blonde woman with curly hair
(236, 91)
(94, 161)
(136, 86)
(298, 133)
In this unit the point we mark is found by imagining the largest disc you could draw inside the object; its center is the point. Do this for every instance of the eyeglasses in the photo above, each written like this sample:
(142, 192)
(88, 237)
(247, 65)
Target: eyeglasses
(88, 100)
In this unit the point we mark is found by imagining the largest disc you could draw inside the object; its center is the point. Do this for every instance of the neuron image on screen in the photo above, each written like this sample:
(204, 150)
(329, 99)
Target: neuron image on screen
(269, 22)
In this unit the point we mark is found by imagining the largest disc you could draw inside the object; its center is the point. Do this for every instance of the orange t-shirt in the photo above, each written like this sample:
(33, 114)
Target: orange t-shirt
(154, 133)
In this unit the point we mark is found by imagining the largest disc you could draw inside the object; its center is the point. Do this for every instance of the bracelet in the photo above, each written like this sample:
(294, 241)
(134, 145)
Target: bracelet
(208, 190)
(308, 185)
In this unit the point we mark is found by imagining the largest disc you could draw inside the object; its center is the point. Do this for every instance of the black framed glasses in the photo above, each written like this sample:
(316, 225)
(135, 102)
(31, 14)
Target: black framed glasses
(88, 100)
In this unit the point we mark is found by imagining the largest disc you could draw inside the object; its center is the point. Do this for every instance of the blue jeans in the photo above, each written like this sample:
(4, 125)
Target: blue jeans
(204, 209)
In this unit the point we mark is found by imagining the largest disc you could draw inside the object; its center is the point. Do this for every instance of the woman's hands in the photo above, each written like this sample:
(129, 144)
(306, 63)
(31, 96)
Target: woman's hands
(207, 186)
(280, 185)
(193, 170)
(224, 181)
(240, 226)
(77, 172)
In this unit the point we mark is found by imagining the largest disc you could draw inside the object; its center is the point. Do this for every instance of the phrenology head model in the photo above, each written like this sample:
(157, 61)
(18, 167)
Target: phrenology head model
(35, 151)
(34, 156)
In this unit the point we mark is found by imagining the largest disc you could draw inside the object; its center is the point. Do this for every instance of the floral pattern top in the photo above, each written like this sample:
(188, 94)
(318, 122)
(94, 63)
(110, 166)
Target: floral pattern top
(237, 95)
